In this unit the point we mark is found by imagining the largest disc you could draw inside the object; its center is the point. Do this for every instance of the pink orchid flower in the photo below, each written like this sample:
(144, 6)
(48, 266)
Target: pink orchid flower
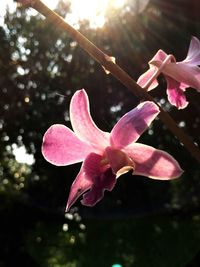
(179, 75)
(105, 156)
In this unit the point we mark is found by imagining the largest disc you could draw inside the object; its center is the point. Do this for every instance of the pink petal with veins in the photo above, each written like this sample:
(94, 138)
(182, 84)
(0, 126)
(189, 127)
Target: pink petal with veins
(61, 146)
(176, 94)
(129, 128)
(152, 162)
(104, 181)
(80, 185)
(102, 177)
(94, 178)
(159, 56)
(184, 73)
(154, 63)
(145, 77)
(193, 56)
(83, 125)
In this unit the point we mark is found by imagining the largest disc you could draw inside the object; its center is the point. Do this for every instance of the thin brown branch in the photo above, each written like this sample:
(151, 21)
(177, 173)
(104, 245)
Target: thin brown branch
(117, 72)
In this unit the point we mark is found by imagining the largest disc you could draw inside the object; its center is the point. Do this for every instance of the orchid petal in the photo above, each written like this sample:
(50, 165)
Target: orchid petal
(129, 128)
(154, 63)
(152, 162)
(80, 185)
(107, 181)
(145, 77)
(119, 161)
(82, 123)
(176, 94)
(103, 179)
(94, 178)
(193, 56)
(183, 73)
(160, 56)
(61, 147)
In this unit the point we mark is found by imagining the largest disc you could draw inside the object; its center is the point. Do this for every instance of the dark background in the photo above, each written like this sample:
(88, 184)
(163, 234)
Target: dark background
(142, 222)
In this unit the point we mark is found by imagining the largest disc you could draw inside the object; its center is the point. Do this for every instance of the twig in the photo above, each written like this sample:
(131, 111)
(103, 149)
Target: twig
(116, 71)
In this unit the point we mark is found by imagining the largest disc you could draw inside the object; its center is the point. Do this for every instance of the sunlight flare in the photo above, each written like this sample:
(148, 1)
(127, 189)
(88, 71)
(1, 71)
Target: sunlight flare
(92, 10)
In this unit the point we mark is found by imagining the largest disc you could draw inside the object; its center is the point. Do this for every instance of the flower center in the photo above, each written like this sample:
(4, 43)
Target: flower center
(119, 161)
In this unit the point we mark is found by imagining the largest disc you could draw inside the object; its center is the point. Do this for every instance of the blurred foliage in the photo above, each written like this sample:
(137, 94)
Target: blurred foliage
(142, 222)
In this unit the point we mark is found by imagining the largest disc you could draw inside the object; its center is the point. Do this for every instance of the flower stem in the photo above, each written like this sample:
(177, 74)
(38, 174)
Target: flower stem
(117, 72)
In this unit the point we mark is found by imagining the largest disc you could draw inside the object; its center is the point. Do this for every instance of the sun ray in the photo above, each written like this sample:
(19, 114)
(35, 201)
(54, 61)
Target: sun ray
(92, 10)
